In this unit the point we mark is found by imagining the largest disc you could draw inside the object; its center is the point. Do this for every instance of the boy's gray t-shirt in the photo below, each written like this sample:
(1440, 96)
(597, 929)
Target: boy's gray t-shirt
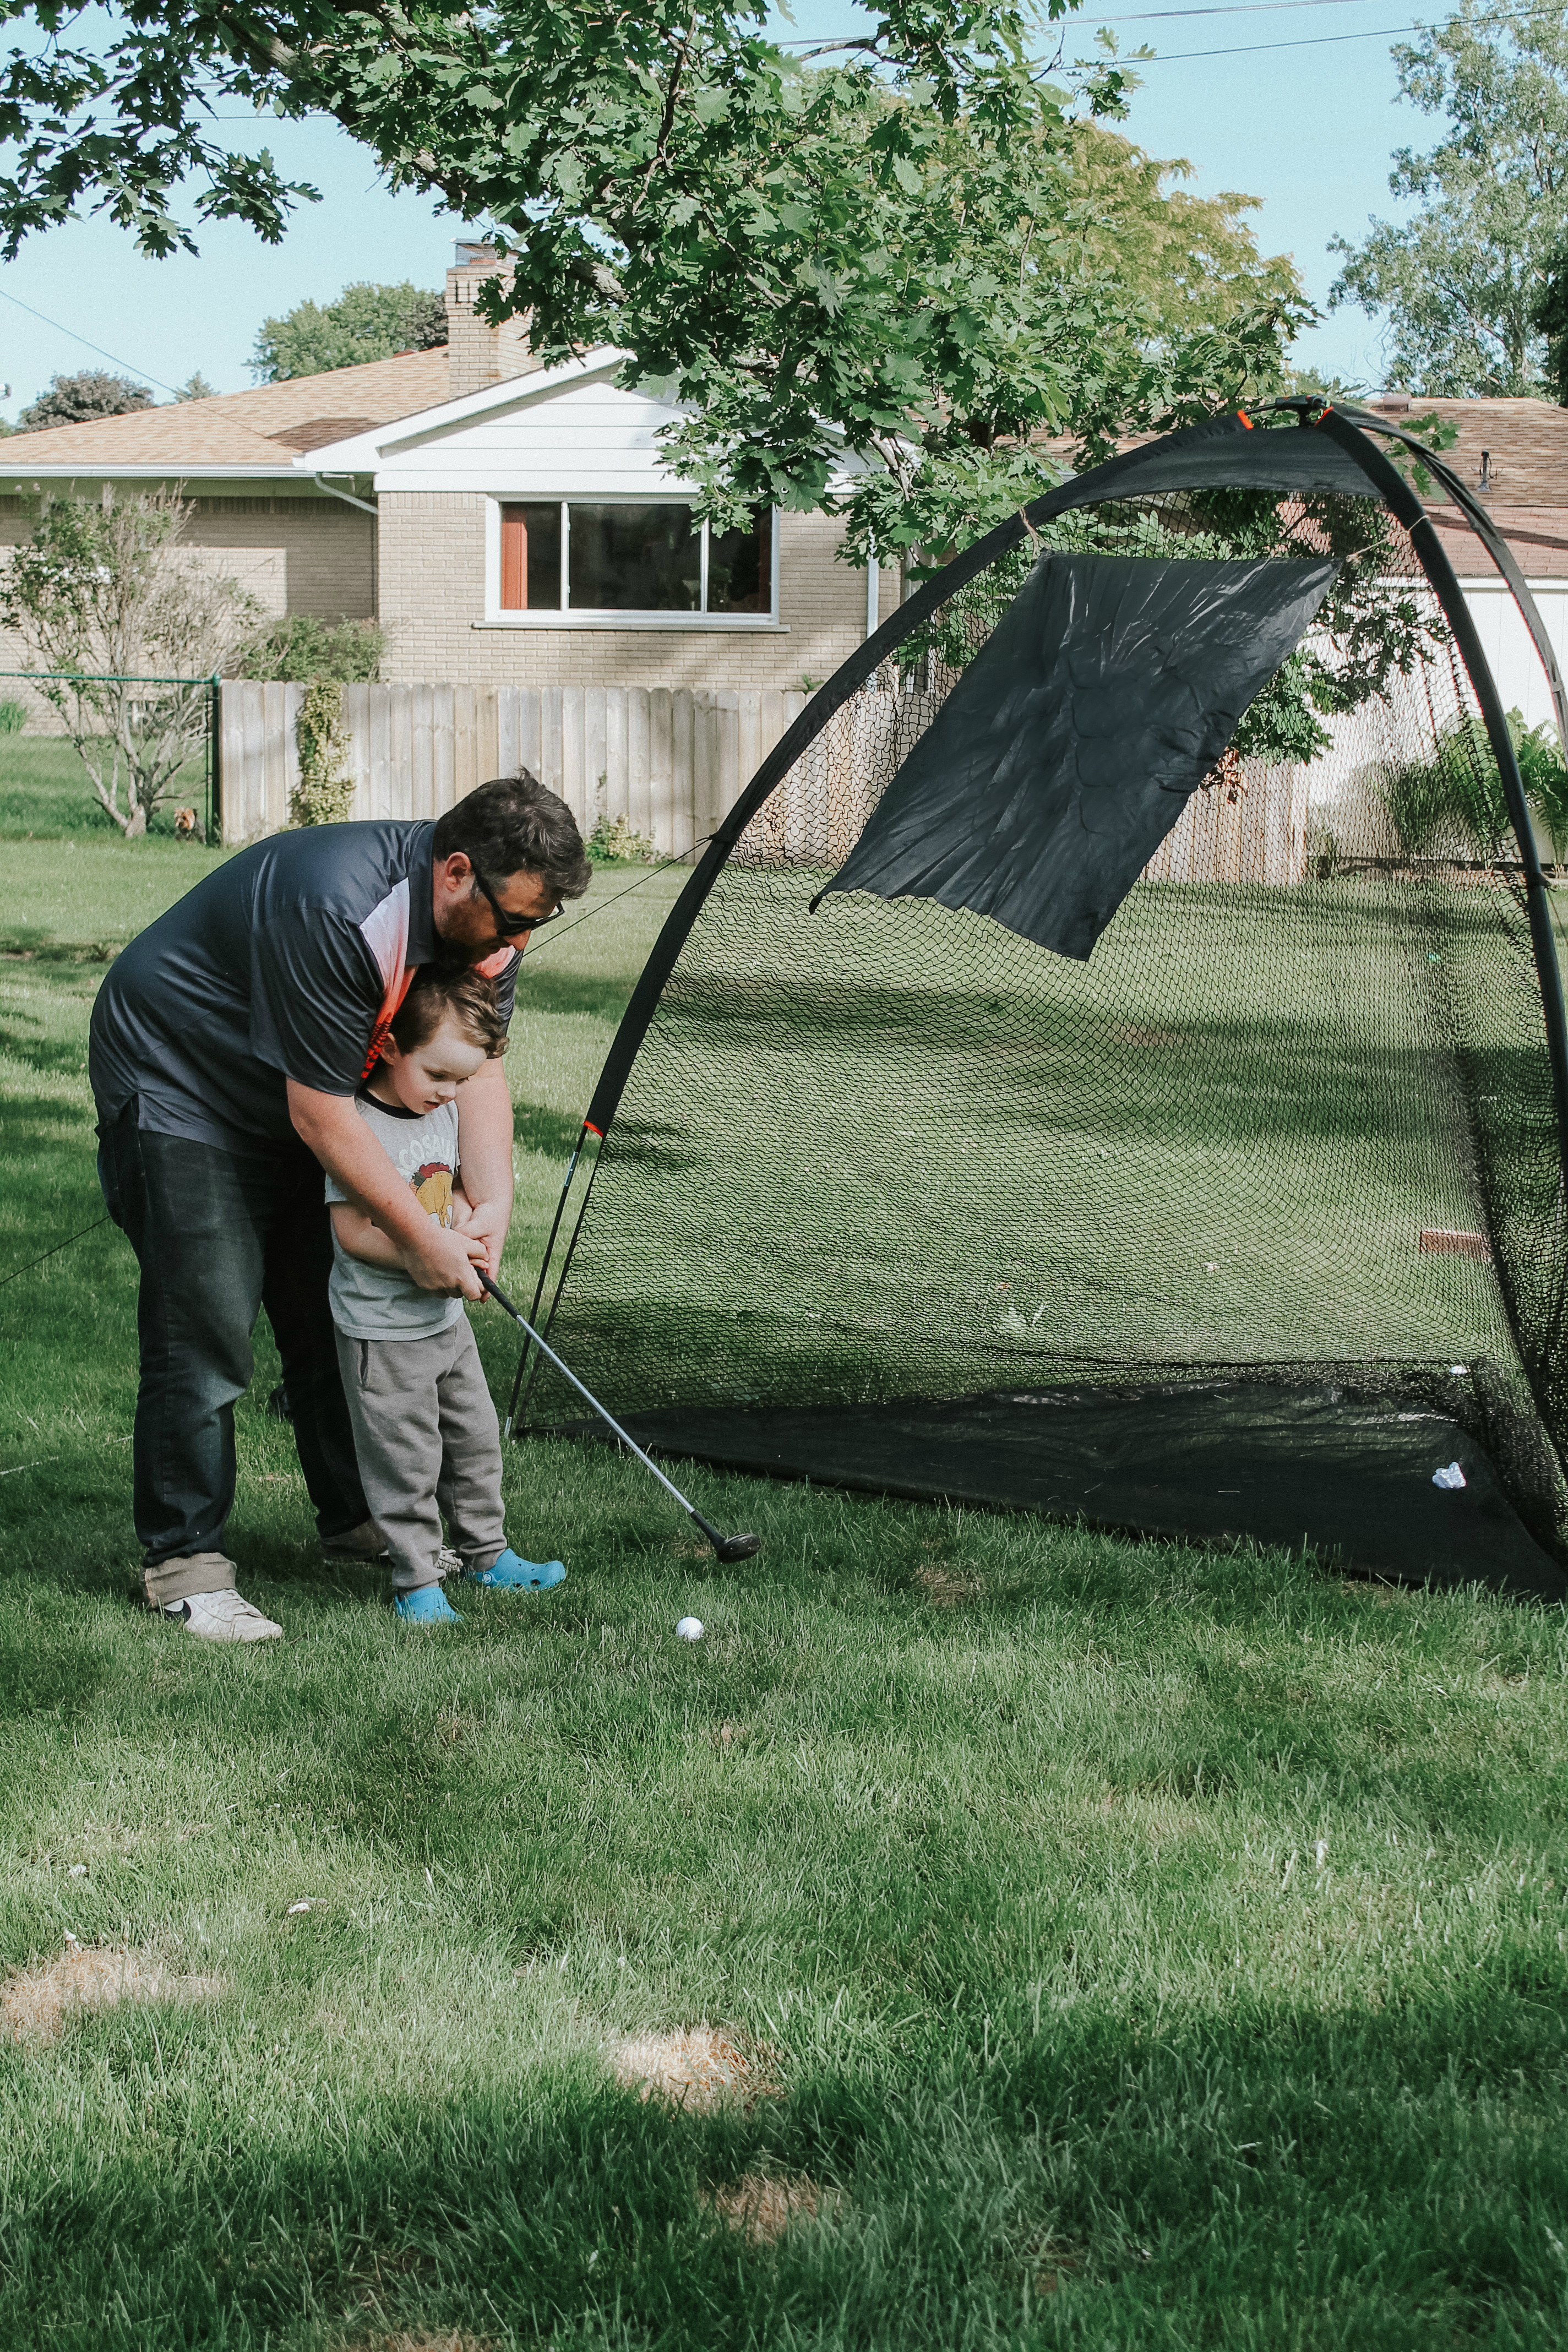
(379, 1302)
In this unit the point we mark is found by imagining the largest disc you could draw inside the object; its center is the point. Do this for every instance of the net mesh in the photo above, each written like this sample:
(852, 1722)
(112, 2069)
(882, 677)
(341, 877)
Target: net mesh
(1294, 1115)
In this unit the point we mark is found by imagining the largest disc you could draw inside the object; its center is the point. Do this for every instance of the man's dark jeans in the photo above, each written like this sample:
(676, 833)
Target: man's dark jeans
(218, 1236)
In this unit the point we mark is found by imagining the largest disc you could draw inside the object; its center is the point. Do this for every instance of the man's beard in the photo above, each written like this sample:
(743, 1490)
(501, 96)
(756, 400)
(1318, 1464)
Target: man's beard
(454, 956)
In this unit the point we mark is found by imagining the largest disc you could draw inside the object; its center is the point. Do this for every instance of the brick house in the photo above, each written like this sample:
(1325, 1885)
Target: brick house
(437, 489)
(512, 525)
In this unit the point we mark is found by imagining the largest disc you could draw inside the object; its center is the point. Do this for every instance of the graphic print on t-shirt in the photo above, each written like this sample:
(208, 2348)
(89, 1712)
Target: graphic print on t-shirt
(433, 1183)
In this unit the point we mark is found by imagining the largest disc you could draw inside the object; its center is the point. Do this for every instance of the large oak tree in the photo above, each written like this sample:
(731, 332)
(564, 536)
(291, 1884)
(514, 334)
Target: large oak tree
(916, 251)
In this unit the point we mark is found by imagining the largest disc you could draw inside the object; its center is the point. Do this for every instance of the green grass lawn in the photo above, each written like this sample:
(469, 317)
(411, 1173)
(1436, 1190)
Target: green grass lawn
(47, 794)
(1115, 1946)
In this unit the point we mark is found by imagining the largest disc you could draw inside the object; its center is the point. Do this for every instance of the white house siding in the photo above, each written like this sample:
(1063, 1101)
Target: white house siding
(538, 440)
(1506, 642)
(433, 606)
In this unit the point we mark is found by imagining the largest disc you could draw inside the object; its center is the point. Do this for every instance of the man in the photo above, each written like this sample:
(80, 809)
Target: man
(227, 1045)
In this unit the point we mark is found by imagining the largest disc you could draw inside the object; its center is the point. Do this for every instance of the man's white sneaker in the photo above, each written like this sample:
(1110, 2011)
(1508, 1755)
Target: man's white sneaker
(221, 1617)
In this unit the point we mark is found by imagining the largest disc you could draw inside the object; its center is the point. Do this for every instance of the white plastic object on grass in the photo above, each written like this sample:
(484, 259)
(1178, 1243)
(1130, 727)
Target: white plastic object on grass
(294, 1907)
(690, 1629)
(1451, 1477)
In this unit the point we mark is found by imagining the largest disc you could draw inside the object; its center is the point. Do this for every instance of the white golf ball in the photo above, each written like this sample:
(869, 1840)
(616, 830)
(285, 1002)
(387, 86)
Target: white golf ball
(690, 1629)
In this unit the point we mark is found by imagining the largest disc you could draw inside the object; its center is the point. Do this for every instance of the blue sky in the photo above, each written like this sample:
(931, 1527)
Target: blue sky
(1308, 127)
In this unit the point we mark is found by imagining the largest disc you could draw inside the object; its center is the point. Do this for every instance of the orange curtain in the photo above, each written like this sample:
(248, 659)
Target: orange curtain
(514, 559)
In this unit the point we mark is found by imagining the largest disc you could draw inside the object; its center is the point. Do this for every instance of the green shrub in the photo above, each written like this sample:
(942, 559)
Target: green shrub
(301, 646)
(1452, 805)
(1545, 779)
(325, 792)
(612, 842)
(12, 717)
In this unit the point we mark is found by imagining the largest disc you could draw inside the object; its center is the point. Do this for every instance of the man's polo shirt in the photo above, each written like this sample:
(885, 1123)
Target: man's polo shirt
(288, 961)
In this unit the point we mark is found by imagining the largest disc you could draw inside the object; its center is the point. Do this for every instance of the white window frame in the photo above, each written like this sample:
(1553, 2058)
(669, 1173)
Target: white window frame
(726, 623)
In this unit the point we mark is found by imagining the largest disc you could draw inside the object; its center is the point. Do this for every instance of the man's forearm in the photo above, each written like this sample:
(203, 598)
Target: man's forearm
(334, 1131)
(484, 1144)
(355, 1162)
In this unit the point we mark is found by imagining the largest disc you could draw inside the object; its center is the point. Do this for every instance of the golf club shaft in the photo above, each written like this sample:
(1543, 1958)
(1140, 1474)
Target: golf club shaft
(567, 1373)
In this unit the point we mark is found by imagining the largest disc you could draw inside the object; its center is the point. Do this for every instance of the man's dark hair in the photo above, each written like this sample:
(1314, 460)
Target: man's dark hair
(437, 993)
(513, 825)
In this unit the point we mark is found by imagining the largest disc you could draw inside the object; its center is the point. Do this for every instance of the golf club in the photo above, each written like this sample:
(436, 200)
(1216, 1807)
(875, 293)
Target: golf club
(726, 1548)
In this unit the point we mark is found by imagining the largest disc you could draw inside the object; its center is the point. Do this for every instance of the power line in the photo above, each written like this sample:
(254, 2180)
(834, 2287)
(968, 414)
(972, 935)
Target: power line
(89, 347)
(1261, 48)
(1232, 8)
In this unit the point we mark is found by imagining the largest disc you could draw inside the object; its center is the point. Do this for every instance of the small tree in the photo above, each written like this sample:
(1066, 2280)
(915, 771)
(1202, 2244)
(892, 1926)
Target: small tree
(75, 399)
(123, 631)
(1461, 277)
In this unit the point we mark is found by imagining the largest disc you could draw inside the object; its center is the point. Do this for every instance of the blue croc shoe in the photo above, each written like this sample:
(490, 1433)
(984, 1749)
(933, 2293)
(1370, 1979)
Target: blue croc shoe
(426, 1605)
(511, 1574)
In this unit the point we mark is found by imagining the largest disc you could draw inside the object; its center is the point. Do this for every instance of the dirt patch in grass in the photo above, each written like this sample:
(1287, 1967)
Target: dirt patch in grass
(947, 1587)
(697, 2068)
(37, 2003)
(404, 2343)
(759, 2206)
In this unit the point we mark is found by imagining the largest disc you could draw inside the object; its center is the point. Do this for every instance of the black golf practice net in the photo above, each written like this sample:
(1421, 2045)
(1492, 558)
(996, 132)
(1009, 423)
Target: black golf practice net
(1237, 1212)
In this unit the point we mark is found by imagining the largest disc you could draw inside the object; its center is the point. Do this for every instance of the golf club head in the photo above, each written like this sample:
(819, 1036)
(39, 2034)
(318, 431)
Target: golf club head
(729, 1548)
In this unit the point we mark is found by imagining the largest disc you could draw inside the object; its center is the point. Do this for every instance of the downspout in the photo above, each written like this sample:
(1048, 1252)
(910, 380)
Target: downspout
(348, 498)
(364, 507)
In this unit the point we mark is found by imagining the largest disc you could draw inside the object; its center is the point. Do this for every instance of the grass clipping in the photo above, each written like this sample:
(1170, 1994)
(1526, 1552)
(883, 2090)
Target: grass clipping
(38, 2003)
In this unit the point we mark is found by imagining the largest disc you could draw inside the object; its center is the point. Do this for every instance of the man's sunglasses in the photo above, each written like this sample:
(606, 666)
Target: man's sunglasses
(512, 927)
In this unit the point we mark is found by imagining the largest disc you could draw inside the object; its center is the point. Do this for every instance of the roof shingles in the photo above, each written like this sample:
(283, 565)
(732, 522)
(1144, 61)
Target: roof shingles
(264, 428)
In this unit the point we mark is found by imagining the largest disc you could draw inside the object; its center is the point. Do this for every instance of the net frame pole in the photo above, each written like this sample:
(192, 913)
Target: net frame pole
(1399, 496)
(1120, 474)
(1079, 489)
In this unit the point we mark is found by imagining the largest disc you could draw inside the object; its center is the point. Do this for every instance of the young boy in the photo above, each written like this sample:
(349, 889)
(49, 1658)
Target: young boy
(425, 1428)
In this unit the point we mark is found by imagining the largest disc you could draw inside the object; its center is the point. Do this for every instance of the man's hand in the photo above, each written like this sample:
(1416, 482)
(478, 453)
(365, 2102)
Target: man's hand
(436, 1259)
(445, 1263)
(485, 1225)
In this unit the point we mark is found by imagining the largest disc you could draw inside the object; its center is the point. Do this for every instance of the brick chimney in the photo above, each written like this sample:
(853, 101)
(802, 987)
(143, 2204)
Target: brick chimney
(477, 353)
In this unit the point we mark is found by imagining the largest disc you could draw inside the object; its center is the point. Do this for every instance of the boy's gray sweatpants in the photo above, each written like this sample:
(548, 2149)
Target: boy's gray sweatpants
(425, 1433)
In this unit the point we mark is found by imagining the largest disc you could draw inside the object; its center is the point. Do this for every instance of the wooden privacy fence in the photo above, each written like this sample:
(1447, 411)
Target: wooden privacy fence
(672, 760)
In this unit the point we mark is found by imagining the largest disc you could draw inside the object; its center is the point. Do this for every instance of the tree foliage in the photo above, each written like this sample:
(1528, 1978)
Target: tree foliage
(365, 322)
(896, 256)
(123, 629)
(1462, 281)
(73, 399)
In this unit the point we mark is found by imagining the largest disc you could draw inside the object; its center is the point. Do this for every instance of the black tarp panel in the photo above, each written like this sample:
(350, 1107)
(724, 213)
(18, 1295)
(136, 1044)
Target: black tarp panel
(1205, 1461)
(1066, 751)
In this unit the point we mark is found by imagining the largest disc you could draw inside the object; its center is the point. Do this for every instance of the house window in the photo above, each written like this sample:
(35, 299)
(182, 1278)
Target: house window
(578, 556)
